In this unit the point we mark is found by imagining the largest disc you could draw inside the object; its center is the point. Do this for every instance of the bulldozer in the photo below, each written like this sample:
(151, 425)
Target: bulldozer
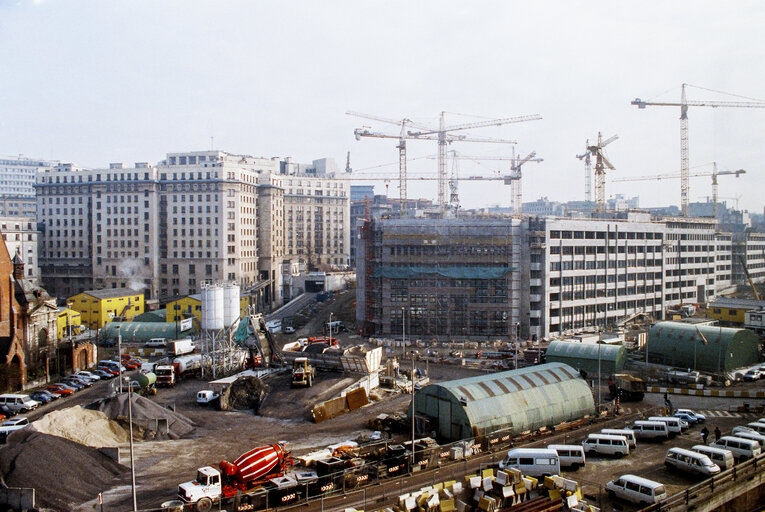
(302, 372)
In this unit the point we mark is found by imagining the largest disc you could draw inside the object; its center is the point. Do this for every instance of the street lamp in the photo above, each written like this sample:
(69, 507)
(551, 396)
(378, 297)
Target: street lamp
(119, 352)
(330, 328)
(130, 423)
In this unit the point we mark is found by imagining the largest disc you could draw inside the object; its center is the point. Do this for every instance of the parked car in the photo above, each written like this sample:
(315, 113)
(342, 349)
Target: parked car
(698, 418)
(12, 425)
(131, 364)
(6, 411)
(59, 389)
(289, 330)
(112, 370)
(19, 402)
(43, 396)
(753, 375)
(87, 382)
(104, 374)
(75, 384)
(206, 396)
(88, 375)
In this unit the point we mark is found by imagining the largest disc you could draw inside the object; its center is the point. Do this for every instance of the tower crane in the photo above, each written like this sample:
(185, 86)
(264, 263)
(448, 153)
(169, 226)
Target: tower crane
(587, 172)
(714, 174)
(444, 136)
(601, 162)
(684, 104)
(453, 190)
(516, 188)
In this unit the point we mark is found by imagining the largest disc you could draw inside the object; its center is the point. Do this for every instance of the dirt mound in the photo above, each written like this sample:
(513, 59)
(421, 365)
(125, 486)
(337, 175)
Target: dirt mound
(148, 416)
(55, 467)
(285, 402)
(244, 393)
(91, 428)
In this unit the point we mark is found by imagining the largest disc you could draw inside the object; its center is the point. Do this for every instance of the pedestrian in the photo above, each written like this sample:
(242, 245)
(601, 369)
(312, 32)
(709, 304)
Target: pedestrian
(717, 433)
(704, 434)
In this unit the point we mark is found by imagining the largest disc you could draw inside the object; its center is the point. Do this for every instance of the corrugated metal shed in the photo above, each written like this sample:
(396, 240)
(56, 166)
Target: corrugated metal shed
(584, 356)
(518, 400)
(159, 315)
(679, 344)
(141, 332)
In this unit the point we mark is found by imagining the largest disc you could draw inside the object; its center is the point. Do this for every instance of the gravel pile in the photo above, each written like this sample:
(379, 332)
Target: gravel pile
(145, 416)
(244, 393)
(91, 428)
(55, 466)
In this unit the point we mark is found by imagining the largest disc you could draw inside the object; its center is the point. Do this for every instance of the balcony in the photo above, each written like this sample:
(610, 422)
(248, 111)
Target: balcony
(535, 282)
(535, 313)
(535, 298)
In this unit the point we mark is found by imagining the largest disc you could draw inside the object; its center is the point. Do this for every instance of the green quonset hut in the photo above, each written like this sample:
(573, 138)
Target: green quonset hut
(517, 400)
(584, 356)
(141, 332)
(713, 348)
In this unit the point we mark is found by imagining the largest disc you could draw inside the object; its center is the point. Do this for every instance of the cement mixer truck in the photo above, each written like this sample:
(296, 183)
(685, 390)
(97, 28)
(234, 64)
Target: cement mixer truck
(233, 482)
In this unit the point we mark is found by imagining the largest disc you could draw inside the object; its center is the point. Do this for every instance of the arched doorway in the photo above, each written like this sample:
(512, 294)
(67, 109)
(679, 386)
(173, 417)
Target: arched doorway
(82, 359)
(42, 338)
(14, 374)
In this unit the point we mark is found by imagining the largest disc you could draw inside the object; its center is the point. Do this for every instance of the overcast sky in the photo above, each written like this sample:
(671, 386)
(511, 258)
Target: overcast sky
(104, 81)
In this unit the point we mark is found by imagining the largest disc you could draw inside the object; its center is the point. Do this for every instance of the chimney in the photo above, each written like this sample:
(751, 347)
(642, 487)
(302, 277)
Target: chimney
(18, 267)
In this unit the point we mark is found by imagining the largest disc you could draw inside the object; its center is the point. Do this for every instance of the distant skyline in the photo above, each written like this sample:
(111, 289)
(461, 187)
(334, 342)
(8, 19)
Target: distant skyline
(94, 82)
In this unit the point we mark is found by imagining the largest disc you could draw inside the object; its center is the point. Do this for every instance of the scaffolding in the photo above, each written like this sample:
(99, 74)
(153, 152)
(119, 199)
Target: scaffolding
(457, 278)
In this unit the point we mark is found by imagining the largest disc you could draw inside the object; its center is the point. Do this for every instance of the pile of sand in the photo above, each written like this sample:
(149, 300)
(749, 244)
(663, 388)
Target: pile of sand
(145, 413)
(244, 393)
(64, 473)
(91, 428)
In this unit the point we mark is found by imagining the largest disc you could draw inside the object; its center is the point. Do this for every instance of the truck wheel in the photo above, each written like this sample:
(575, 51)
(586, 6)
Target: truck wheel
(204, 505)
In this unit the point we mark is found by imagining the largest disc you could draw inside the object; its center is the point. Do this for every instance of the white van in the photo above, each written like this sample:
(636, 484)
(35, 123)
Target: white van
(748, 433)
(606, 444)
(649, 429)
(757, 426)
(19, 403)
(629, 434)
(569, 455)
(156, 343)
(690, 461)
(742, 448)
(636, 489)
(674, 425)
(536, 462)
(721, 457)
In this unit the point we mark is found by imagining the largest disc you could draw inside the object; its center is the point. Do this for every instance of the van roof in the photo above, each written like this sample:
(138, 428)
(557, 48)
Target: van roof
(663, 418)
(711, 449)
(649, 422)
(606, 436)
(535, 451)
(736, 438)
(564, 447)
(14, 395)
(683, 451)
(642, 481)
(622, 430)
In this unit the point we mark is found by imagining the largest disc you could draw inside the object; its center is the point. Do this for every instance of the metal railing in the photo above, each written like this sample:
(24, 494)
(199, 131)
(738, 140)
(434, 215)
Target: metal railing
(703, 491)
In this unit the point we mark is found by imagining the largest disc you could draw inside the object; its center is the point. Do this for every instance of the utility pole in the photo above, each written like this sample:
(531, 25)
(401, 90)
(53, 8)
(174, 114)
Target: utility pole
(130, 422)
(119, 351)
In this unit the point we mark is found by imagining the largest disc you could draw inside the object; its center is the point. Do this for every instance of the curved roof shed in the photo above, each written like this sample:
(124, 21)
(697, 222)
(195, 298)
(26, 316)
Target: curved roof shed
(704, 347)
(141, 332)
(584, 356)
(518, 400)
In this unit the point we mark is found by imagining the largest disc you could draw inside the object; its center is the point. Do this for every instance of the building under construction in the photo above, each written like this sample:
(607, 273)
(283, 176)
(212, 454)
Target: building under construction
(480, 278)
(457, 278)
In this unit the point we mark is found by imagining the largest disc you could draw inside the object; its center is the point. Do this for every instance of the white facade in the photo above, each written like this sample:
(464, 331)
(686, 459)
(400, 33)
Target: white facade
(20, 236)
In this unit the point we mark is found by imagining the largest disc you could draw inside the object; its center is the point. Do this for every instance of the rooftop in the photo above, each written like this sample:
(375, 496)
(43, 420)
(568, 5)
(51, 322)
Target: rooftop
(732, 302)
(110, 293)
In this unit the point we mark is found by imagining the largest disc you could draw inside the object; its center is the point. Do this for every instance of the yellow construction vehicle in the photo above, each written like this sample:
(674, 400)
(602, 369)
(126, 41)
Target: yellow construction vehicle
(302, 372)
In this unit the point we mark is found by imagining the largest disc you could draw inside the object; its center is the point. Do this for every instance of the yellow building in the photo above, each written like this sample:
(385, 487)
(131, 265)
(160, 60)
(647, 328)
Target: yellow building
(99, 307)
(185, 307)
(68, 317)
(730, 311)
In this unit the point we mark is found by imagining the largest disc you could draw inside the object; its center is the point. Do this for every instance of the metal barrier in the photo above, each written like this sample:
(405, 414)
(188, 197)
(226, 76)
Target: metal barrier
(704, 490)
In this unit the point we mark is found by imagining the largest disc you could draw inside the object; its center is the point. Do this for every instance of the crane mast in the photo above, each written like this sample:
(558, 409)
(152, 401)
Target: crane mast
(516, 188)
(684, 154)
(587, 172)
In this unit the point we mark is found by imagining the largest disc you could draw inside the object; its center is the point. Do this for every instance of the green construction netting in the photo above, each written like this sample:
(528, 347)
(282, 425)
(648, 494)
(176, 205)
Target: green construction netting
(390, 272)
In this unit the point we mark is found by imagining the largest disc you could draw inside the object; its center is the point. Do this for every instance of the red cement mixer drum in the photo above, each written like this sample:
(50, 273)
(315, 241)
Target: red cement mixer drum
(254, 464)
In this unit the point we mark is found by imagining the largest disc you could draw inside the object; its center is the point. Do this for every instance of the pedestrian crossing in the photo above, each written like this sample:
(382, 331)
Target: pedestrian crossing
(709, 413)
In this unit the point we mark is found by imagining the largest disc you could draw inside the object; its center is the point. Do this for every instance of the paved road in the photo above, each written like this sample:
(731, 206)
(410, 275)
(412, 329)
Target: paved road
(291, 308)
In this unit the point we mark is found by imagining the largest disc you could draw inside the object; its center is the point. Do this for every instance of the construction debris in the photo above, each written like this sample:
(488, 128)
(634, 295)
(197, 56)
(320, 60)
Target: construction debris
(245, 393)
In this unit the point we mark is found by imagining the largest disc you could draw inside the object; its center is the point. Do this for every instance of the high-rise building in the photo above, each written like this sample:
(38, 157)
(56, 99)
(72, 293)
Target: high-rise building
(20, 235)
(196, 216)
(17, 185)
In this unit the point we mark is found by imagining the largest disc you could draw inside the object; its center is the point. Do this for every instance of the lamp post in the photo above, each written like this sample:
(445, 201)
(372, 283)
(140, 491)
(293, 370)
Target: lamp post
(119, 352)
(600, 339)
(330, 328)
(130, 423)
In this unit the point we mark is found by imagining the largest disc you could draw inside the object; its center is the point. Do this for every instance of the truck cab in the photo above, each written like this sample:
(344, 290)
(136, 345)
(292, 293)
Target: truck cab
(207, 486)
(165, 375)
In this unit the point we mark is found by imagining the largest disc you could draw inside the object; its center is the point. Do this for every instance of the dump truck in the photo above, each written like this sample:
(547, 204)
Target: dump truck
(627, 387)
(235, 483)
(302, 372)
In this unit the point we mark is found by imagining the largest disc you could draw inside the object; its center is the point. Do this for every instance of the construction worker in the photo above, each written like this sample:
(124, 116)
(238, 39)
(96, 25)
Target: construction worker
(704, 434)
(718, 434)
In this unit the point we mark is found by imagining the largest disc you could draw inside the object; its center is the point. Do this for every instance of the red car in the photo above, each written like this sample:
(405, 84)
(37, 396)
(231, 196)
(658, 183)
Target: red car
(109, 369)
(132, 364)
(59, 390)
